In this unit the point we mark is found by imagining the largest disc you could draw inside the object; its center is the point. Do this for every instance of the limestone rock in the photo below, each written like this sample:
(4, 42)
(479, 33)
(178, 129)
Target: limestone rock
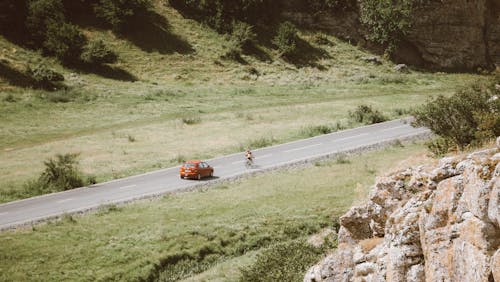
(427, 223)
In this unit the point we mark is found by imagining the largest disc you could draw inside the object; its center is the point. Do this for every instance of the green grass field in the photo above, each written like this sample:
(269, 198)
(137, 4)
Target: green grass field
(206, 235)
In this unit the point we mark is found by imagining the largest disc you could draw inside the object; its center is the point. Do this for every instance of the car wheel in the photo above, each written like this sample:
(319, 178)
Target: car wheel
(182, 176)
(199, 176)
(211, 174)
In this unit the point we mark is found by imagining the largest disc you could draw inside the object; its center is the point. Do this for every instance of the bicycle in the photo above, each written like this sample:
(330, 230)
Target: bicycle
(249, 163)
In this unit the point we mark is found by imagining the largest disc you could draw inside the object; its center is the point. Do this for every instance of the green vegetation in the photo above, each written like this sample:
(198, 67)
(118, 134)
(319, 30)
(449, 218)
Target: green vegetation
(209, 234)
(286, 39)
(283, 262)
(169, 89)
(60, 174)
(119, 13)
(367, 115)
(389, 21)
(469, 117)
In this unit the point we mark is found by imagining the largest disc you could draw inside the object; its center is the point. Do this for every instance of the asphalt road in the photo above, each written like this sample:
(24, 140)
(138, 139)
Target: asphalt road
(164, 181)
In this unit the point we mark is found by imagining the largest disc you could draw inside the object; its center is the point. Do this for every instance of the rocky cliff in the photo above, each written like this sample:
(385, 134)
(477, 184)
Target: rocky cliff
(427, 223)
(445, 34)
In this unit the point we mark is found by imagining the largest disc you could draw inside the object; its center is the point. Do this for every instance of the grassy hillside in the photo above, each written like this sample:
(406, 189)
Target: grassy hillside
(172, 89)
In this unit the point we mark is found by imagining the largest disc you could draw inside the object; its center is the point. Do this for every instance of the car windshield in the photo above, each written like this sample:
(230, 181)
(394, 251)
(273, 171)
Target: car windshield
(189, 165)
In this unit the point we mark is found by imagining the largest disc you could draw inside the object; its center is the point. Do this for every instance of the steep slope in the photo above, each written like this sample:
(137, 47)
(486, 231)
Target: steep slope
(428, 223)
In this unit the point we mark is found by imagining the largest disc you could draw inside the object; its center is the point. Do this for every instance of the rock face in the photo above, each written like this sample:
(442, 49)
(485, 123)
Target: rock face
(445, 34)
(427, 223)
(456, 34)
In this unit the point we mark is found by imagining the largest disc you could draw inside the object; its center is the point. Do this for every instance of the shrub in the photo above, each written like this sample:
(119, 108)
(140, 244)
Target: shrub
(242, 34)
(41, 15)
(44, 76)
(470, 116)
(283, 262)
(96, 52)
(119, 13)
(286, 39)
(366, 114)
(62, 173)
(64, 41)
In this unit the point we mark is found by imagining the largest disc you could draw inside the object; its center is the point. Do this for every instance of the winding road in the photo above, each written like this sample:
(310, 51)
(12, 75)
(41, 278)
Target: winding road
(32, 210)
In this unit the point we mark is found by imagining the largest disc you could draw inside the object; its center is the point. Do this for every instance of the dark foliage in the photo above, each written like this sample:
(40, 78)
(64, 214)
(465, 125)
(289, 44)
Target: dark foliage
(220, 14)
(13, 15)
(468, 117)
(64, 41)
(43, 14)
(332, 6)
(118, 13)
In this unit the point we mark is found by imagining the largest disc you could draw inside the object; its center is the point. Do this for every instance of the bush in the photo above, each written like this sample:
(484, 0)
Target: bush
(62, 173)
(44, 76)
(470, 116)
(286, 39)
(119, 13)
(389, 21)
(367, 115)
(96, 52)
(282, 262)
(64, 41)
(242, 34)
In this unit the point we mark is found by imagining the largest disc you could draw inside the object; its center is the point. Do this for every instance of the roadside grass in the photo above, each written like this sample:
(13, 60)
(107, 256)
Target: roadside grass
(209, 234)
(100, 130)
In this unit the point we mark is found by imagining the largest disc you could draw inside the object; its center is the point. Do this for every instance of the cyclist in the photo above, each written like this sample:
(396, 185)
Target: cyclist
(249, 157)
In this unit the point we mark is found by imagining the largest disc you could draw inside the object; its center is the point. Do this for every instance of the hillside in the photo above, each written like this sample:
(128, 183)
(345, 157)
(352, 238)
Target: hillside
(173, 86)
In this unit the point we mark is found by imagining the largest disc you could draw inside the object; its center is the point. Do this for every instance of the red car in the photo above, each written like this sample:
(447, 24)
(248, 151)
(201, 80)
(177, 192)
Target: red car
(196, 169)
